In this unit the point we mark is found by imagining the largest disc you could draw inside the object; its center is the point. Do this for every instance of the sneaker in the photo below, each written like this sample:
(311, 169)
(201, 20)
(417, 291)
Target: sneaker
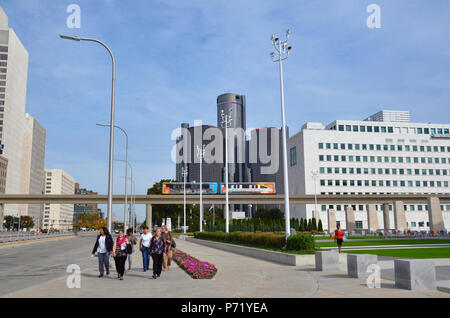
(154, 277)
(100, 276)
(158, 275)
(107, 272)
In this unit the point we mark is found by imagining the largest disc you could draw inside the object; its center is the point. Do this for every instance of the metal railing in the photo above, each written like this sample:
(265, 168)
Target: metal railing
(25, 236)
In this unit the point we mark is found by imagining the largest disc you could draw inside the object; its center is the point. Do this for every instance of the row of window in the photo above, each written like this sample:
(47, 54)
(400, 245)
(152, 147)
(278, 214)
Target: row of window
(362, 208)
(383, 183)
(390, 129)
(384, 171)
(379, 147)
(385, 159)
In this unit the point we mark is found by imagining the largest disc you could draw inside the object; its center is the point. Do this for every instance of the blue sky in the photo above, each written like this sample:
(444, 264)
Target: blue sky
(175, 57)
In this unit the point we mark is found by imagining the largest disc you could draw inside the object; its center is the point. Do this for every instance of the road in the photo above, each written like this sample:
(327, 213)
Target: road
(38, 269)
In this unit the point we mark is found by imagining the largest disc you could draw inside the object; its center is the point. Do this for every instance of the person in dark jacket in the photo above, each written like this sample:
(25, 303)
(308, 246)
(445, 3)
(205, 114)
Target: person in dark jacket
(103, 247)
(157, 249)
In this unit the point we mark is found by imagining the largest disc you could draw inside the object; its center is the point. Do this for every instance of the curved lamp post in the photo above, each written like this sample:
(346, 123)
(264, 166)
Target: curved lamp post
(111, 130)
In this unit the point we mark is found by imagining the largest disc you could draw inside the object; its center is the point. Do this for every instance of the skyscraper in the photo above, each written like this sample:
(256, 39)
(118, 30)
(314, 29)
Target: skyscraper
(22, 138)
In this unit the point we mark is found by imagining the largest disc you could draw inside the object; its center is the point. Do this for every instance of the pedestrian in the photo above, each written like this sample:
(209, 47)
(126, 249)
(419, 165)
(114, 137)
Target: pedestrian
(167, 256)
(338, 237)
(132, 241)
(120, 253)
(144, 247)
(103, 247)
(157, 249)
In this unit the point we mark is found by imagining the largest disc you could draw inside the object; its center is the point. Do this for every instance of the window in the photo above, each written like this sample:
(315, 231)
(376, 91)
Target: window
(320, 145)
(293, 156)
(359, 224)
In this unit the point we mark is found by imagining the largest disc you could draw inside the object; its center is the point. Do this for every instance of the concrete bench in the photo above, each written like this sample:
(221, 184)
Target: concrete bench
(357, 264)
(327, 261)
(415, 274)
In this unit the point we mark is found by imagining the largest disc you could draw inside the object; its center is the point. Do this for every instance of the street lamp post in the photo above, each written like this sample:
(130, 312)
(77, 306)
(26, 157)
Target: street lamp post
(184, 172)
(200, 155)
(226, 121)
(127, 163)
(283, 50)
(126, 171)
(111, 128)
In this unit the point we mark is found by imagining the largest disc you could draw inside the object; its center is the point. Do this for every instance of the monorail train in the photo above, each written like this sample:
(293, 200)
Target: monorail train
(216, 188)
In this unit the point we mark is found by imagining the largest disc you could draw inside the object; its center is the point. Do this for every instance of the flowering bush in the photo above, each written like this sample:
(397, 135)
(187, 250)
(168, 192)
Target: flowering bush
(195, 268)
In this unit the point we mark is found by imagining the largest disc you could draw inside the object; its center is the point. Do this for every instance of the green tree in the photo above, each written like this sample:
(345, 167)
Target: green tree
(320, 227)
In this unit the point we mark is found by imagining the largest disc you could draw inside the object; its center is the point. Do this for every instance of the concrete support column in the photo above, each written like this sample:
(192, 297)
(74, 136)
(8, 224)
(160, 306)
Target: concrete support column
(386, 218)
(148, 214)
(400, 216)
(331, 221)
(350, 218)
(435, 216)
(372, 217)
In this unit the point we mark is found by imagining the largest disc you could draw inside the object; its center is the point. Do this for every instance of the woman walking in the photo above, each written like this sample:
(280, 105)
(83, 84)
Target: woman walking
(120, 253)
(144, 247)
(157, 249)
(167, 256)
(131, 241)
(103, 246)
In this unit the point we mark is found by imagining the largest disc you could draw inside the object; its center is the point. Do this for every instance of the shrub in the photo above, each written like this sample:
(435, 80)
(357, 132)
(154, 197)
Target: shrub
(300, 242)
(256, 239)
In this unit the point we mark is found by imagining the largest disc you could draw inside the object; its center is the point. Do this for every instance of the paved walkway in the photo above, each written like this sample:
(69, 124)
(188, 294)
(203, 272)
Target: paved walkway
(238, 276)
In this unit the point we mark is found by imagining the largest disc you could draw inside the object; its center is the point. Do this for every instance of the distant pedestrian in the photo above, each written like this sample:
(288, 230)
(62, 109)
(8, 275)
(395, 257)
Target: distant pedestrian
(339, 237)
(103, 247)
(167, 256)
(120, 253)
(131, 241)
(144, 247)
(157, 249)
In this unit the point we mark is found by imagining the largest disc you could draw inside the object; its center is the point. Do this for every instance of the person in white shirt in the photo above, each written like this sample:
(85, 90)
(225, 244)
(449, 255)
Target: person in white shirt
(103, 247)
(144, 247)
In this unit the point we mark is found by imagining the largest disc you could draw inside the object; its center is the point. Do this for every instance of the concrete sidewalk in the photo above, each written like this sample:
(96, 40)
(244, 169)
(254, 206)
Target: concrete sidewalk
(237, 276)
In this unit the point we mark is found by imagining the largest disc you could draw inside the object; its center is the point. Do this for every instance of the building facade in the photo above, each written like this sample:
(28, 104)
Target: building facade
(370, 157)
(3, 174)
(84, 207)
(58, 216)
(21, 136)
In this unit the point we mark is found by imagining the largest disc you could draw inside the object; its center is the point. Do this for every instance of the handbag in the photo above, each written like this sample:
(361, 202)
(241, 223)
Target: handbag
(174, 245)
(129, 249)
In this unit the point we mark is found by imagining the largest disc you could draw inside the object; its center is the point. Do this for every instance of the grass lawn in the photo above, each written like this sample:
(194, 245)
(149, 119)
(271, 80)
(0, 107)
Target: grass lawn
(409, 252)
(382, 242)
(360, 238)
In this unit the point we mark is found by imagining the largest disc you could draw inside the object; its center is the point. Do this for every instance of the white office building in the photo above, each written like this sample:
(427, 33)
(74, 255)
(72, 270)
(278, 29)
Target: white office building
(385, 155)
(58, 216)
(21, 136)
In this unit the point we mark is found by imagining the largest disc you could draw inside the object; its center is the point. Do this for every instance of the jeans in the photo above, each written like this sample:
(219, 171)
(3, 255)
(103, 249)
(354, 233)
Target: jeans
(120, 264)
(145, 257)
(157, 264)
(103, 261)
(130, 260)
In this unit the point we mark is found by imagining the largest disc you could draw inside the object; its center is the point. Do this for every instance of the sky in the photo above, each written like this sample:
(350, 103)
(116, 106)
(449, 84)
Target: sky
(175, 57)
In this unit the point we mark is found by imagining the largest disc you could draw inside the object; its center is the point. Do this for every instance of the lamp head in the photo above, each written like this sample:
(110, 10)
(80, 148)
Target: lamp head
(66, 37)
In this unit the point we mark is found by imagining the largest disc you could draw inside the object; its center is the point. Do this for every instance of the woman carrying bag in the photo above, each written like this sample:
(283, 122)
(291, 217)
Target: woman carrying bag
(120, 253)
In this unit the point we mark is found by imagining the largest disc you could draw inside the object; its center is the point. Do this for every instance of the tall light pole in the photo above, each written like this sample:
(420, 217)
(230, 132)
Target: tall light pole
(315, 175)
(127, 164)
(126, 171)
(200, 155)
(283, 50)
(226, 121)
(184, 172)
(111, 123)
